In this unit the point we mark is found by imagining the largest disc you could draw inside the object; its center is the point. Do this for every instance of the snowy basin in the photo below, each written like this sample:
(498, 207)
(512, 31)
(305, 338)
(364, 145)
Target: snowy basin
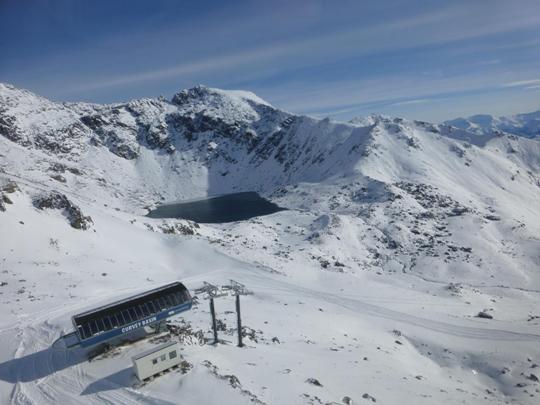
(218, 209)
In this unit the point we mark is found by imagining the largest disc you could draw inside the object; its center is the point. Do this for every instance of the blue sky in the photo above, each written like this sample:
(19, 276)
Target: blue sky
(430, 60)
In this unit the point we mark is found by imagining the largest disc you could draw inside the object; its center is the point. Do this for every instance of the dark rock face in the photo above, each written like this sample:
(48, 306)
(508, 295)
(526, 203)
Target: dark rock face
(369, 397)
(429, 197)
(314, 381)
(192, 124)
(484, 315)
(180, 229)
(269, 147)
(156, 136)
(533, 377)
(59, 201)
(4, 199)
(57, 141)
(61, 168)
(184, 96)
(59, 177)
(106, 130)
(94, 122)
(8, 188)
(119, 148)
(8, 128)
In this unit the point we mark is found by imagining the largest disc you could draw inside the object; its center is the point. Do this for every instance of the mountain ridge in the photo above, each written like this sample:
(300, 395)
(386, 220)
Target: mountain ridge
(398, 234)
(525, 124)
(221, 134)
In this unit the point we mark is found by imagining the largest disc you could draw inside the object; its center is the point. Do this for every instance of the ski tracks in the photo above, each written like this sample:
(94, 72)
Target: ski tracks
(357, 305)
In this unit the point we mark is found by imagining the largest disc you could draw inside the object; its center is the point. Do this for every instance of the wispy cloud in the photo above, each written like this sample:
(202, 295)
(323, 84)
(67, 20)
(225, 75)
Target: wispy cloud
(336, 58)
(392, 88)
(520, 83)
(429, 28)
(411, 102)
(196, 67)
(490, 62)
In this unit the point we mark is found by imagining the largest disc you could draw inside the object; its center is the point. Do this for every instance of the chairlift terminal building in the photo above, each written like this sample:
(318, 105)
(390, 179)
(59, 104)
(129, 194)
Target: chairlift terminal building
(125, 316)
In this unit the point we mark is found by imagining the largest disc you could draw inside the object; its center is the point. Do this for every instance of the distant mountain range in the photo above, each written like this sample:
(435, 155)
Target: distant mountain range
(527, 125)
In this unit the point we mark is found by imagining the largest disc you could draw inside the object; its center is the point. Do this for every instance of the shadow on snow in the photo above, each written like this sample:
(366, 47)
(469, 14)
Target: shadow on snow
(40, 364)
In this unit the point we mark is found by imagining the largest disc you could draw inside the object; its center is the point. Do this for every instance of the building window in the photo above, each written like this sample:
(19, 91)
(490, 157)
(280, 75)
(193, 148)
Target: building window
(172, 354)
(163, 358)
(154, 361)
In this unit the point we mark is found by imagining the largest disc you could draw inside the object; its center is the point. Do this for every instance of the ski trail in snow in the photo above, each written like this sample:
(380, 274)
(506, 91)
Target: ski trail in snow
(507, 287)
(357, 305)
(64, 384)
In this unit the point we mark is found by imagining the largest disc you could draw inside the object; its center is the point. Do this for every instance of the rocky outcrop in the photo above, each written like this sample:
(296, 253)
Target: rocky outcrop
(72, 212)
(8, 188)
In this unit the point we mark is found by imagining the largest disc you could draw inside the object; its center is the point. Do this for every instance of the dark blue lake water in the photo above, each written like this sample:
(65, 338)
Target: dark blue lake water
(224, 208)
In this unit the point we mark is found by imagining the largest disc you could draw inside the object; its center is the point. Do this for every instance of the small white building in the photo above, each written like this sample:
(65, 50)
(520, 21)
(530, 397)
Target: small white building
(156, 360)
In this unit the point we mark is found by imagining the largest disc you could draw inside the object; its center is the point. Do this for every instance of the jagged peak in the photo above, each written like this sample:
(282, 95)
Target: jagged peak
(9, 91)
(202, 92)
(374, 119)
(229, 105)
(6, 86)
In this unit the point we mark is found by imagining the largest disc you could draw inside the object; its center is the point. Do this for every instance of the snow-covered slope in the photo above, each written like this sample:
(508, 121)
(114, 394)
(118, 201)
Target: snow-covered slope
(527, 125)
(398, 234)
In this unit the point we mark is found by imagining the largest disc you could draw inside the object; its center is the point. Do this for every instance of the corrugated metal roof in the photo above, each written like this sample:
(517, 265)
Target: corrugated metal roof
(112, 304)
(153, 350)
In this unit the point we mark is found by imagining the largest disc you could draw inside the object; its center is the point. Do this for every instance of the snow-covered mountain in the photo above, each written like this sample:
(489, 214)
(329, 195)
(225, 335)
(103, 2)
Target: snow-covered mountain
(397, 234)
(527, 125)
